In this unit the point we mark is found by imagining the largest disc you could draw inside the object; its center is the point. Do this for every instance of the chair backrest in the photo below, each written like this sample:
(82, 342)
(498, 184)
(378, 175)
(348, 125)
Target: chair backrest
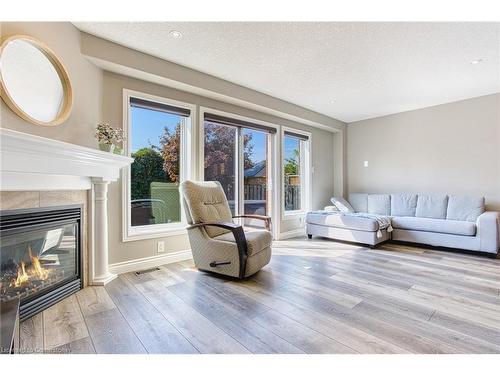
(205, 202)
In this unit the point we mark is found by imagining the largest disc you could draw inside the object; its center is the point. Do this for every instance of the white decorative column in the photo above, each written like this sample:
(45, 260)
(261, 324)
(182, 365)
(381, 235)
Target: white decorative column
(101, 274)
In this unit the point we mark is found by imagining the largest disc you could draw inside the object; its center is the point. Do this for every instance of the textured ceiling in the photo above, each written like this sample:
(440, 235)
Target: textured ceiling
(367, 69)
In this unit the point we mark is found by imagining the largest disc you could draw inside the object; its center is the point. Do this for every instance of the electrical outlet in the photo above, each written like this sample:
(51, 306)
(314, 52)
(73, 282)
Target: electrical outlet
(161, 246)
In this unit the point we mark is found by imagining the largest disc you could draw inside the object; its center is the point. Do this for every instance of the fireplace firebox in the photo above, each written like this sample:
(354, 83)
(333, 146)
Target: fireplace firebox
(40, 256)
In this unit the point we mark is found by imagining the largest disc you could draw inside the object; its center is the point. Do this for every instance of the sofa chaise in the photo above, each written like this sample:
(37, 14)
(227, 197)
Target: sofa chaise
(452, 221)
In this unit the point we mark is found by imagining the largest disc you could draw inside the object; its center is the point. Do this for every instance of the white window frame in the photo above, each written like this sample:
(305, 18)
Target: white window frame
(133, 233)
(305, 175)
(272, 184)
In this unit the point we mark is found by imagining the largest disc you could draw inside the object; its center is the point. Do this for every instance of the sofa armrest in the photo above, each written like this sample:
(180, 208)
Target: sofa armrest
(331, 209)
(488, 227)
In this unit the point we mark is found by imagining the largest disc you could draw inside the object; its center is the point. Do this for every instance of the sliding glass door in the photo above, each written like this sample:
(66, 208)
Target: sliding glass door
(255, 172)
(221, 158)
(238, 155)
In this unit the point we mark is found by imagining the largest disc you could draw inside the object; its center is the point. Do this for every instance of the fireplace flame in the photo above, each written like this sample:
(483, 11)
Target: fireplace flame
(41, 273)
(36, 271)
(22, 276)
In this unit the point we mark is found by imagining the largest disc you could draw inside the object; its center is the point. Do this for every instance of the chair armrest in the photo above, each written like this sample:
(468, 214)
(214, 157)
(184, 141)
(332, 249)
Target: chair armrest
(220, 224)
(267, 219)
(488, 231)
(239, 237)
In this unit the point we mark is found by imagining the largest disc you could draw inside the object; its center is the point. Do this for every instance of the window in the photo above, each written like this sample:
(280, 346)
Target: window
(295, 171)
(157, 143)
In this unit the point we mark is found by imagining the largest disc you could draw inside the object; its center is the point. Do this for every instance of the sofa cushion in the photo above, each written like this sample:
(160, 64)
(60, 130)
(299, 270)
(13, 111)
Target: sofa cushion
(403, 204)
(432, 206)
(465, 208)
(257, 240)
(463, 228)
(359, 202)
(342, 204)
(379, 204)
(337, 220)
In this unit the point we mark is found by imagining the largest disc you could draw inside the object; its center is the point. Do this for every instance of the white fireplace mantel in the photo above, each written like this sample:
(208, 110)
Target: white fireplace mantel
(32, 163)
(29, 162)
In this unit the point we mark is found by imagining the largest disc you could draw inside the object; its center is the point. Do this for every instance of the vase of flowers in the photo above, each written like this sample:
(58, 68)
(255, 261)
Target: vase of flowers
(108, 137)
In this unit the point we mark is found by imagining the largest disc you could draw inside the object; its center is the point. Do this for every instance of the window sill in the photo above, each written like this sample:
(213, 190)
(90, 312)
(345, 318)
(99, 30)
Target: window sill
(137, 234)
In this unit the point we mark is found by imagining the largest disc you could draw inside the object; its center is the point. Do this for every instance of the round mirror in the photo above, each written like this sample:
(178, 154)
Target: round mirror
(33, 82)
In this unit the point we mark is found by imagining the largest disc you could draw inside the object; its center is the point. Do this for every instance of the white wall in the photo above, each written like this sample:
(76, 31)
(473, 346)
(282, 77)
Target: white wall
(450, 148)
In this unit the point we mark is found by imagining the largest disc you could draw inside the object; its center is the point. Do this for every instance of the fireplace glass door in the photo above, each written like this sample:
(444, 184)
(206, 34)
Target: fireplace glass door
(36, 261)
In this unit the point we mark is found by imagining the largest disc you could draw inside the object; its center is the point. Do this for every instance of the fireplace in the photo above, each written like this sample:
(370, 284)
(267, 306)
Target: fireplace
(40, 256)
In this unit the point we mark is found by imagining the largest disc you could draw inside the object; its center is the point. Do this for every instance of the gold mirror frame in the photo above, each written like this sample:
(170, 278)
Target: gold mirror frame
(65, 109)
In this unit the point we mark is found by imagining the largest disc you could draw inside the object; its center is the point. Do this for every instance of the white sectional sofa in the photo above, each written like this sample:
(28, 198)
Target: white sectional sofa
(452, 221)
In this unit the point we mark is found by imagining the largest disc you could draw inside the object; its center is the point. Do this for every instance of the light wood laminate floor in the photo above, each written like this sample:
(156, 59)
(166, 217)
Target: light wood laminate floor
(316, 296)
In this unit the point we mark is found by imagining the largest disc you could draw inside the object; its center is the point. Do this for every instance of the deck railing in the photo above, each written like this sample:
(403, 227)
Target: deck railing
(258, 193)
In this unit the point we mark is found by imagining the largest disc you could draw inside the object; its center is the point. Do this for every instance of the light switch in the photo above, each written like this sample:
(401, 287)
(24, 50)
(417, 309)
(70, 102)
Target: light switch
(365, 163)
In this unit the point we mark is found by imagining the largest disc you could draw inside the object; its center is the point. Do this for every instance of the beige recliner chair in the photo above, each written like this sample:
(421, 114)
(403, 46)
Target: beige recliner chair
(217, 243)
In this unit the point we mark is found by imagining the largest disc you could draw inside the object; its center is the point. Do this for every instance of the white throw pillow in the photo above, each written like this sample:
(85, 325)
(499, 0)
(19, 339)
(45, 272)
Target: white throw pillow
(342, 204)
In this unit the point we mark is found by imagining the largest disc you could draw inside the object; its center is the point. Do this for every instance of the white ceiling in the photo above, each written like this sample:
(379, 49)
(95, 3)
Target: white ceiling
(368, 69)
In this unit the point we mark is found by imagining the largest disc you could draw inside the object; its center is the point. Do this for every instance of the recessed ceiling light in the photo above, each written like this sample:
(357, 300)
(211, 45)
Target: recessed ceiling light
(176, 34)
(333, 101)
(477, 61)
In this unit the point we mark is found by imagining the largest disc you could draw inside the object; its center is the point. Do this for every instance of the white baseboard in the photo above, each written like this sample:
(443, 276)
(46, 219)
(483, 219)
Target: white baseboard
(292, 233)
(145, 263)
